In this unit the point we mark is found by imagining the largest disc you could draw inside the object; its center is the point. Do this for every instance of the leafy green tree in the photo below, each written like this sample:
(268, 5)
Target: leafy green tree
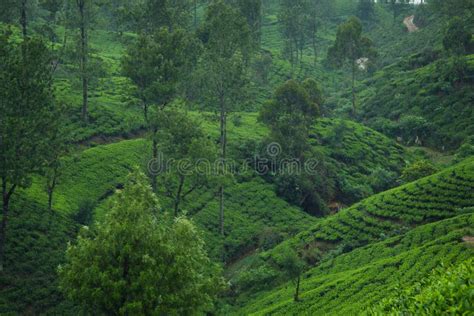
(290, 114)
(18, 11)
(53, 7)
(457, 38)
(450, 8)
(139, 261)
(457, 42)
(349, 46)
(80, 15)
(222, 71)
(171, 14)
(418, 170)
(183, 144)
(28, 119)
(294, 266)
(252, 11)
(53, 161)
(155, 64)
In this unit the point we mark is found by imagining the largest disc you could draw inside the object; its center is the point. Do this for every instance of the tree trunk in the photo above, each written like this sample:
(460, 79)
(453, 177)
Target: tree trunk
(223, 142)
(315, 50)
(23, 19)
(297, 290)
(85, 83)
(6, 195)
(51, 188)
(155, 158)
(353, 89)
(178, 195)
(145, 111)
(195, 13)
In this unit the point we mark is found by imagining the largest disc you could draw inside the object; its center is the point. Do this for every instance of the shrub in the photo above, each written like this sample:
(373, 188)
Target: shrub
(418, 170)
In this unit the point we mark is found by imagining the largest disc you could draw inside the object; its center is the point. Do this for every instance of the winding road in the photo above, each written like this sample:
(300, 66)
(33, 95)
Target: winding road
(408, 21)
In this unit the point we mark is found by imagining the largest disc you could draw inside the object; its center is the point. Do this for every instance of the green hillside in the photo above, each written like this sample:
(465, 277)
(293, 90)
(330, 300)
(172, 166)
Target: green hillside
(391, 213)
(356, 236)
(353, 282)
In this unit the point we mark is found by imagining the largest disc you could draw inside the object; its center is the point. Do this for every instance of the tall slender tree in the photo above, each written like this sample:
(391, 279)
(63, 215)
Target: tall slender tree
(349, 46)
(183, 145)
(293, 17)
(156, 63)
(28, 118)
(227, 48)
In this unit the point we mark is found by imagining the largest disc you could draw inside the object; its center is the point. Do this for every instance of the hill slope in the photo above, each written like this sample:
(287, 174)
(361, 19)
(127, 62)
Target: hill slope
(446, 194)
(348, 284)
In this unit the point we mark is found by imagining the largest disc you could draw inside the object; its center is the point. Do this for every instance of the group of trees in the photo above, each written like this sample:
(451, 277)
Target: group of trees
(301, 175)
(300, 21)
(216, 56)
(162, 266)
(350, 46)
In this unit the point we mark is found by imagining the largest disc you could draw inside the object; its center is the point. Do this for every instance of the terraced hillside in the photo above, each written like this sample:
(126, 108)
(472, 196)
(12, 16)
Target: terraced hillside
(351, 283)
(37, 241)
(444, 195)
(448, 289)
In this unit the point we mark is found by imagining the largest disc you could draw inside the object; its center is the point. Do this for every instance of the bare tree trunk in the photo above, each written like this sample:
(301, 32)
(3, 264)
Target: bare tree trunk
(315, 50)
(353, 89)
(23, 19)
(297, 290)
(51, 188)
(155, 157)
(223, 142)
(195, 13)
(6, 195)
(85, 83)
(178, 195)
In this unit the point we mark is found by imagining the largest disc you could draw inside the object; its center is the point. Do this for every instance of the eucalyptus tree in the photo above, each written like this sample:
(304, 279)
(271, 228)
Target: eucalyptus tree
(187, 155)
(349, 46)
(28, 119)
(317, 11)
(222, 73)
(168, 13)
(156, 64)
(293, 17)
(80, 16)
(17, 11)
(252, 11)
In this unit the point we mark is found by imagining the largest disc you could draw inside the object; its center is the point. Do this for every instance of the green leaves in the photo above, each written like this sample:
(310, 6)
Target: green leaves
(139, 261)
(28, 114)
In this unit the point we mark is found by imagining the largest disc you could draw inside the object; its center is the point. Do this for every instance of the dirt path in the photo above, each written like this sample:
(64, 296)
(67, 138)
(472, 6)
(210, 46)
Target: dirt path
(408, 21)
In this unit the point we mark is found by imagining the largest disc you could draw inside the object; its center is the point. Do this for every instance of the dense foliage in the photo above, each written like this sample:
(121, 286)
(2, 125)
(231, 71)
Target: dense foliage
(216, 102)
(139, 261)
